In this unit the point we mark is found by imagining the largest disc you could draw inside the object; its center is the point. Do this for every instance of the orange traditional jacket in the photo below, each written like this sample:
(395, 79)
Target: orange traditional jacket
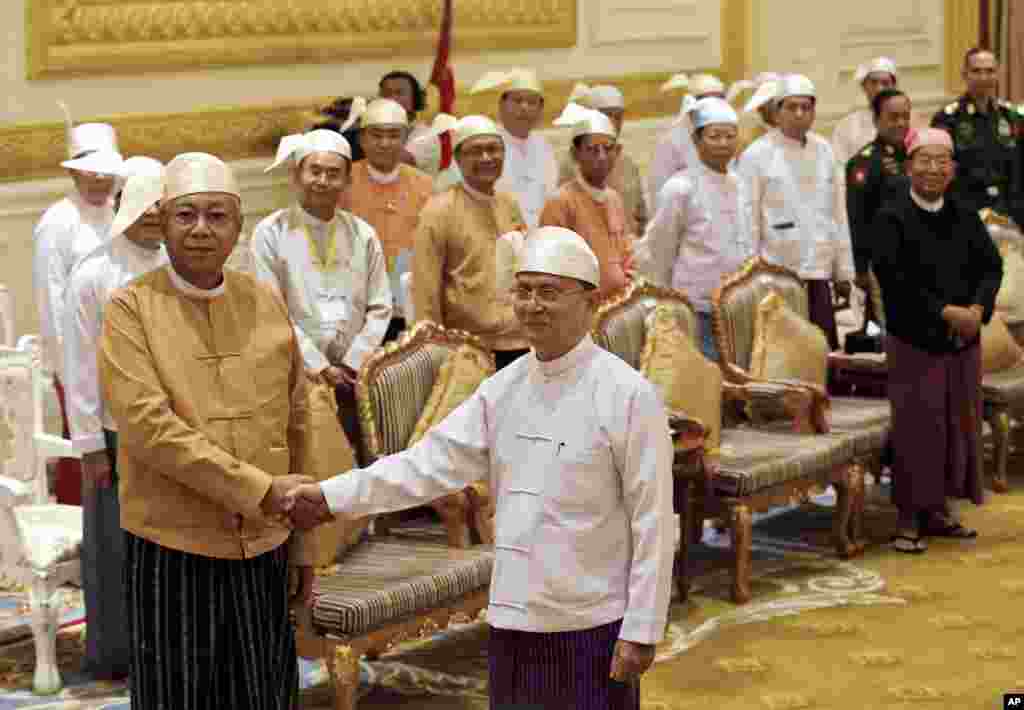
(210, 399)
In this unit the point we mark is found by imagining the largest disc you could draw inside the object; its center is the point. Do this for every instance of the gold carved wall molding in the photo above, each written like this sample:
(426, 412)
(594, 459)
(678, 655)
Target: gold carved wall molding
(962, 24)
(81, 37)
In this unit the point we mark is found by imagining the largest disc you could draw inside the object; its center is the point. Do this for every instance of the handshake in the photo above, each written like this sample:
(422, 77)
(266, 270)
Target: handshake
(297, 499)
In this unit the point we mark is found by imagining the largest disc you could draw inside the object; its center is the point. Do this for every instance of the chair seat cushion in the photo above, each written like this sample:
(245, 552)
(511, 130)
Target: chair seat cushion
(50, 534)
(755, 459)
(866, 421)
(386, 579)
(1005, 386)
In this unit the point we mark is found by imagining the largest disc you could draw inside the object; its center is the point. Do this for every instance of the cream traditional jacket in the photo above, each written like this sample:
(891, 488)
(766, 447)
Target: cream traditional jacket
(333, 277)
(578, 454)
(853, 132)
(98, 275)
(209, 393)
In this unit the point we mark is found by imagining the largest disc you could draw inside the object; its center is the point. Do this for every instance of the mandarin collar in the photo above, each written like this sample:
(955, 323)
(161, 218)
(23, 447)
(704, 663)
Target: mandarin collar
(933, 206)
(478, 196)
(382, 178)
(191, 291)
(572, 360)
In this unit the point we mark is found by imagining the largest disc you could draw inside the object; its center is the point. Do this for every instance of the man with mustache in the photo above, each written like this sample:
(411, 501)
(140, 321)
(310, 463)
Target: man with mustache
(135, 248)
(68, 231)
(328, 266)
(987, 137)
(460, 248)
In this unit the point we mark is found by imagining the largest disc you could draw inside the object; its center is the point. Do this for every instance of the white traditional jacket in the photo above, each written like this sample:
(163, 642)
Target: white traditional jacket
(853, 132)
(67, 231)
(799, 206)
(674, 151)
(530, 173)
(579, 458)
(96, 277)
(333, 277)
(701, 231)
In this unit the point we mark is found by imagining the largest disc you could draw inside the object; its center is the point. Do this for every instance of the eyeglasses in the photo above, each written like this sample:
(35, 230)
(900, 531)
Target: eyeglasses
(932, 163)
(479, 152)
(544, 295)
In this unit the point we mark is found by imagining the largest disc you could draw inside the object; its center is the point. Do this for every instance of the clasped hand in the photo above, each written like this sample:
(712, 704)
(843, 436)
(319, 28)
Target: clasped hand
(299, 498)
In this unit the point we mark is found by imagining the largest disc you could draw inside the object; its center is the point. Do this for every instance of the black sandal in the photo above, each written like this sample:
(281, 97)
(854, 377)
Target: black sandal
(908, 544)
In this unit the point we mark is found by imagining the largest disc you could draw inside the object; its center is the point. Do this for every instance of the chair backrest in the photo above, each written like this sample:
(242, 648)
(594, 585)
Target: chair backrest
(6, 317)
(620, 324)
(735, 303)
(395, 383)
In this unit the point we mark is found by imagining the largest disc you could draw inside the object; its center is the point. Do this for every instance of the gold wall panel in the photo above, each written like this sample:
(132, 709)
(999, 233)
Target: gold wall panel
(79, 37)
(29, 151)
(962, 27)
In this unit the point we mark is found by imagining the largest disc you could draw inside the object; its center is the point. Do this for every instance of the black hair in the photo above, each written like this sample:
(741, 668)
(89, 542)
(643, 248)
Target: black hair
(419, 96)
(878, 103)
(336, 113)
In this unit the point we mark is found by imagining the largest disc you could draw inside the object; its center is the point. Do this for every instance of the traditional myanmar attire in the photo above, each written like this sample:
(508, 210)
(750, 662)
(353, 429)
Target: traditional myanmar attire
(674, 151)
(800, 216)
(208, 389)
(530, 173)
(928, 256)
(108, 651)
(701, 232)
(425, 147)
(67, 231)
(625, 180)
(454, 267)
(333, 278)
(852, 133)
(599, 217)
(578, 454)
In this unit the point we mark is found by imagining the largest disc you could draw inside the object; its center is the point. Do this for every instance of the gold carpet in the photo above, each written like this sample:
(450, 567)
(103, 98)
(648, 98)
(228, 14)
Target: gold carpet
(887, 631)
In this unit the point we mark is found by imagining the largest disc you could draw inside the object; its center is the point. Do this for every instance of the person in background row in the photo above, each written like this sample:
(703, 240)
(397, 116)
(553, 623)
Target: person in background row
(799, 211)
(336, 117)
(328, 266)
(988, 140)
(857, 129)
(204, 378)
(387, 194)
(530, 171)
(575, 444)
(702, 229)
(66, 232)
(588, 205)
(625, 175)
(675, 150)
(940, 272)
(422, 149)
(765, 86)
(135, 248)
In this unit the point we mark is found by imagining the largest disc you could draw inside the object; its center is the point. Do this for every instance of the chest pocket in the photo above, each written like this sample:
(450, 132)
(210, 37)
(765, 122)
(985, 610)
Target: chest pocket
(582, 479)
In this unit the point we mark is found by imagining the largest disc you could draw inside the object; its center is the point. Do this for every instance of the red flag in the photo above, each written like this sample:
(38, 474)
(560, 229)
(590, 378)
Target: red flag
(444, 79)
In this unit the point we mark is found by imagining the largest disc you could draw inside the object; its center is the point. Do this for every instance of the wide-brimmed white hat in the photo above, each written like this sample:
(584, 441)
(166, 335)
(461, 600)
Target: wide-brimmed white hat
(103, 162)
(87, 137)
(561, 252)
(298, 146)
(143, 179)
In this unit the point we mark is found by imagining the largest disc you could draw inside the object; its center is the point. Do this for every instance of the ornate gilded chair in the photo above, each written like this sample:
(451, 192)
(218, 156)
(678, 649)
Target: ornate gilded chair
(395, 584)
(40, 541)
(753, 469)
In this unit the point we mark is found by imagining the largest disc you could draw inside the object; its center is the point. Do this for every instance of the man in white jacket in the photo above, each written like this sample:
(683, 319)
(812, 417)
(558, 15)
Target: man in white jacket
(576, 446)
(798, 202)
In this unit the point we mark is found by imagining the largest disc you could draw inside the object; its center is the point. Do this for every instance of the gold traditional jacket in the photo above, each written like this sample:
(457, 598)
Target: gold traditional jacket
(455, 266)
(625, 180)
(208, 389)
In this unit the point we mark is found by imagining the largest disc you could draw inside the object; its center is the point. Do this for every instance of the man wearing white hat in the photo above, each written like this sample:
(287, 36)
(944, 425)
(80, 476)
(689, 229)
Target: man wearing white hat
(135, 248)
(625, 175)
(328, 266)
(421, 147)
(465, 244)
(765, 86)
(67, 231)
(798, 202)
(386, 193)
(702, 229)
(675, 150)
(530, 171)
(576, 447)
(588, 205)
(204, 377)
(857, 129)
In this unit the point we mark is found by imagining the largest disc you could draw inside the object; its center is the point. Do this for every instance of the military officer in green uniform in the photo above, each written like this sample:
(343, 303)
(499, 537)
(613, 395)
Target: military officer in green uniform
(875, 174)
(987, 135)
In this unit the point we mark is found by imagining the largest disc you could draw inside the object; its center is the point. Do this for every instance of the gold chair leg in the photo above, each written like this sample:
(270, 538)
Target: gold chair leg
(1001, 449)
(740, 525)
(344, 670)
(849, 491)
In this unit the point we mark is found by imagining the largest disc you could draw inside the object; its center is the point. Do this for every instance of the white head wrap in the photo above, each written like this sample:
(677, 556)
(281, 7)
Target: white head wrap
(384, 112)
(737, 87)
(193, 173)
(599, 97)
(795, 85)
(704, 84)
(301, 145)
(767, 89)
(586, 121)
(561, 252)
(712, 109)
(464, 128)
(143, 180)
(512, 80)
(879, 65)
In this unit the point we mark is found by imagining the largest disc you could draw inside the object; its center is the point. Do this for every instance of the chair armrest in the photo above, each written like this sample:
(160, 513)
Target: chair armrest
(806, 405)
(862, 362)
(13, 492)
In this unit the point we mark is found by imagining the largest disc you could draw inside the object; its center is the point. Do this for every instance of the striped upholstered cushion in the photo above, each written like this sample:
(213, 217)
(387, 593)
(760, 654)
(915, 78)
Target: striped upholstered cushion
(1005, 386)
(384, 580)
(753, 459)
(866, 421)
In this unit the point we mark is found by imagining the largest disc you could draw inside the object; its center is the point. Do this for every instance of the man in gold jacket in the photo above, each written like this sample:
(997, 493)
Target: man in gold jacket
(205, 380)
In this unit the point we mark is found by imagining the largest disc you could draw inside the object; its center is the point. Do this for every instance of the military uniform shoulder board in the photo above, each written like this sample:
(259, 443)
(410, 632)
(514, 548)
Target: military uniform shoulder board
(951, 108)
(868, 151)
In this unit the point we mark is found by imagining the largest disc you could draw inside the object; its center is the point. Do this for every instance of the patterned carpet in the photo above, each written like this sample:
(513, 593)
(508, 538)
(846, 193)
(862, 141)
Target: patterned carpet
(887, 631)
